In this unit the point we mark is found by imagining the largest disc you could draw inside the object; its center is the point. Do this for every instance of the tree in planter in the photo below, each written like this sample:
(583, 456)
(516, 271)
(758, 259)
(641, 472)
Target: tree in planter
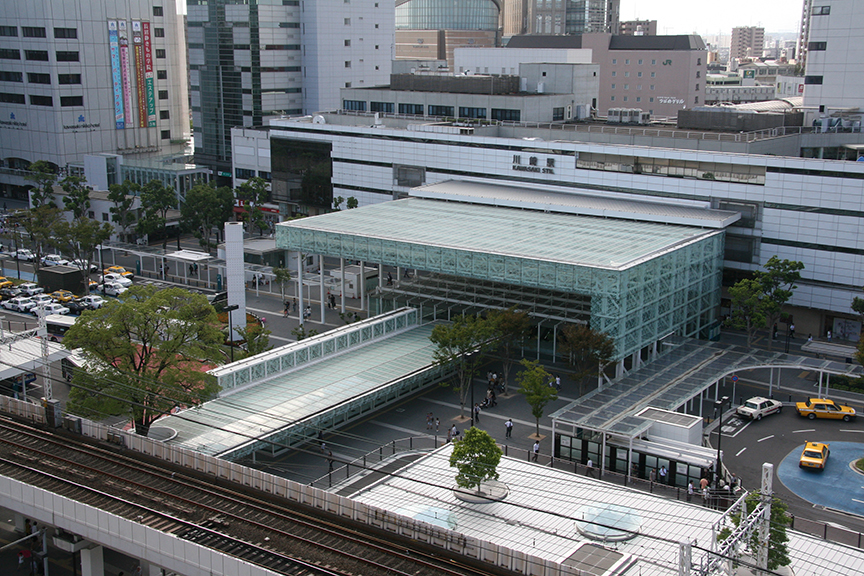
(77, 198)
(257, 339)
(460, 343)
(156, 200)
(122, 197)
(79, 239)
(38, 225)
(301, 333)
(148, 352)
(778, 552)
(204, 208)
(587, 351)
(475, 457)
(43, 175)
(281, 276)
(254, 194)
(533, 383)
(509, 327)
(748, 314)
(778, 282)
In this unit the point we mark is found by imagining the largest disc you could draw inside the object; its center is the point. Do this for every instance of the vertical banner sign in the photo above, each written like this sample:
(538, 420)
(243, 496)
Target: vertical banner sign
(114, 48)
(138, 48)
(148, 75)
(124, 73)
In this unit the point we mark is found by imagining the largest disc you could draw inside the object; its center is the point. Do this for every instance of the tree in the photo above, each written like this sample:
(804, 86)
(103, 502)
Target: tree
(475, 457)
(460, 344)
(282, 275)
(79, 239)
(77, 198)
(44, 175)
(352, 202)
(778, 552)
(509, 327)
(147, 353)
(778, 282)
(254, 194)
(257, 339)
(206, 207)
(156, 200)
(588, 351)
(337, 203)
(534, 384)
(301, 333)
(123, 197)
(748, 314)
(39, 225)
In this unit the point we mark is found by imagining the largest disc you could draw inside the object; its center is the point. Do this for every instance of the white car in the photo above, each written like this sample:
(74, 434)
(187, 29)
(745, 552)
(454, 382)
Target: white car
(31, 289)
(112, 277)
(93, 302)
(53, 308)
(24, 254)
(81, 265)
(38, 299)
(18, 304)
(757, 407)
(113, 288)
(54, 260)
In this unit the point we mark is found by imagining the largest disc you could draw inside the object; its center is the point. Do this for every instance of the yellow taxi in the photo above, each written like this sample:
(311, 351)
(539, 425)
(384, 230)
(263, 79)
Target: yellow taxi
(5, 282)
(815, 455)
(119, 270)
(62, 296)
(823, 408)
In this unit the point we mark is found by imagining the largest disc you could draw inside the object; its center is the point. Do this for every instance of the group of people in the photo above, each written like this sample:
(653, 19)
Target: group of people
(432, 423)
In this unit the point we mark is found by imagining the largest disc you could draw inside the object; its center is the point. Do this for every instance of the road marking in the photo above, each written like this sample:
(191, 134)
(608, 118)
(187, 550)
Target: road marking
(766, 438)
(808, 430)
(804, 374)
(859, 501)
(741, 451)
(858, 431)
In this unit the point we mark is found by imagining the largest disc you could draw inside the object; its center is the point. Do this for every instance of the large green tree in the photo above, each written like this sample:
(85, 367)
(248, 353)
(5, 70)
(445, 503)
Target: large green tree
(35, 229)
(509, 329)
(281, 277)
(79, 239)
(778, 283)
(206, 207)
(147, 352)
(122, 197)
(475, 457)
(778, 551)
(254, 194)
(460, 344)
(44, 176)
(587, 351)
(77, 198)
(156, 200)
(747, 312)
(533, 382)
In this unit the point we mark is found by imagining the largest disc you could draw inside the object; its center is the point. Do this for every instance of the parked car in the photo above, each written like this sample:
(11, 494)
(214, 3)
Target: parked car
(824, 408)
(113, 277)
(757, 407)
(62, 296)
(18, 304)
(54, 260)
(24, 254)
(30, 289)
(82, 265)
(40, 299)
(52, 308)
(119, 270)
(93, 301)
(113, 288)
(5, 283)
(10, 292)
(77, 306)
(815, 455)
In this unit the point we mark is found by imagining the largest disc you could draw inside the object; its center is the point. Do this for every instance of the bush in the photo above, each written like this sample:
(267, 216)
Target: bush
(846, 383)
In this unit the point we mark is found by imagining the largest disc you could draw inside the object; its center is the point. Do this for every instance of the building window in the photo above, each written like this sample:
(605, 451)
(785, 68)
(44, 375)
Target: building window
(163, 94)
(558, 114)
(160, 53)
(376, 46)
(613, 86)
(164, 115)
(244, 173)
(653, 62)
(347, 64)
(626, 86)
(67, 56)
(612, 98)
(638, 99)
(347, 21)
(638, 87)
(8, 31)
(506, 115)
(817, 46)
(614, 74)
(32, 32)
(472, 112)
(69, 78)
(91, 214)
(161, 74)
(11, 76)
(651, 100)
(347, 42)
(812, 80)
(35, 78)
(440, 110)
(698, 74)
(165, 134)
(697, 87)
(627, 61)
(653, 74)
(7, 98)
(696, 100)
(65, 33)
(625, 98)
(37, 55)
(381, 107)
(626, 74)
(821, 10)
(639, 74)
(699, 61)
(347, 84)
(105, 217)
(640, 62)
(41, 100)
(157, 11)
(356, 105)
(159, 32)
(652, 87)
(69, 101)
(415, 109)
(9, 54)
(614, 60)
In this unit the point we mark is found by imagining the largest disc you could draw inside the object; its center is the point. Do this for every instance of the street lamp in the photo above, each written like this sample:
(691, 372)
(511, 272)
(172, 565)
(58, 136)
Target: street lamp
(230, 309)
(719, 470)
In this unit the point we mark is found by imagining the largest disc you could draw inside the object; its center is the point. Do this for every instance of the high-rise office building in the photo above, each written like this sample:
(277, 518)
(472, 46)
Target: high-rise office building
(560, 16)
(747, 42)
(638, 28)
(253, 58)
(81, 78)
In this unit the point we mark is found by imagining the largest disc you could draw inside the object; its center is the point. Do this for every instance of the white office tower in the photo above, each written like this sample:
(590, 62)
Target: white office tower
(82, 78)
(834, 76)
(235, 280)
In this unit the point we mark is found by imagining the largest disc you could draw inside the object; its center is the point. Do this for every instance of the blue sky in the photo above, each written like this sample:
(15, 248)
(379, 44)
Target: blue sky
(718, 17)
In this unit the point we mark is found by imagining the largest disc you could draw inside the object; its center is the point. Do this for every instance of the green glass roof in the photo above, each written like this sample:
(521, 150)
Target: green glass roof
(502, 231)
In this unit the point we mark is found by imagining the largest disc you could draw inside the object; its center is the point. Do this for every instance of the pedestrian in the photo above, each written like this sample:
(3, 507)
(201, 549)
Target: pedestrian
(437, 424)
(536, 450)
(774, 332)
(652, 475)
(508, 425)
(389, 279)
(558, 383)
(663, 474)
(449, 434)
(792, 330)
(429, 421)
(333, 301)
(328, 299)
(589, 468)
(295, 304)
(330, 460)
(323, 447)
(191, 269)
(810, 338)
(733, 482)
(285, 311)
(703, 484)
(689, 491)
(829, 335)
(23, 556)
(137, 571)
(477, 413)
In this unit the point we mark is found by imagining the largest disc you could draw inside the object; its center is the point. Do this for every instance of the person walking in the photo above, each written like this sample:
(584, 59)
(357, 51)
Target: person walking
(689, 491)
(663, 474)
(589, 468)
(437, 424)
(536, 450)
(508, 425)
(792, 330)
(477, 413)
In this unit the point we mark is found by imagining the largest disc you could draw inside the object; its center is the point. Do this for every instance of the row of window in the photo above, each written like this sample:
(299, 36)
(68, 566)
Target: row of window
(639, 74)
(38, 55)
(37, 32)
(39, 78)
(436, 110)
(640, 61)
(639, 99)
(639, 86)
(36, 100)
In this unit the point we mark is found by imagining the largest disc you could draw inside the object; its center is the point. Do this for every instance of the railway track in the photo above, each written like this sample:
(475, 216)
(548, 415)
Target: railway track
(285, 537)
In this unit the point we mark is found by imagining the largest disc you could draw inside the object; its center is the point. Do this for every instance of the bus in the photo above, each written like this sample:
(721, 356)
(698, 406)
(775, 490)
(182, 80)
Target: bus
(57, 325)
